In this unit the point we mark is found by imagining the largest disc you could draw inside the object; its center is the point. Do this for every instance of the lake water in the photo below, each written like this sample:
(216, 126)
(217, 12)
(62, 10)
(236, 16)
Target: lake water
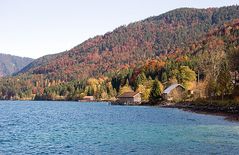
(98, 128)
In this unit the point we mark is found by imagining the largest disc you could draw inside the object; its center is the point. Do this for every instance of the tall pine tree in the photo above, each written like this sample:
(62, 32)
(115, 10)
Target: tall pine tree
(156, 91)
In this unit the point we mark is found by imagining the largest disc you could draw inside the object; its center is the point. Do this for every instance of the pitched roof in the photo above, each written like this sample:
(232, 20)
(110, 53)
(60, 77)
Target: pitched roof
(128, 94)
(170, 88)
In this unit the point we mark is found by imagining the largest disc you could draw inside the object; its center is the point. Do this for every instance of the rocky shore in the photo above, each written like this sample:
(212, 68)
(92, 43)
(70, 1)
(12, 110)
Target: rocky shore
(230, 112)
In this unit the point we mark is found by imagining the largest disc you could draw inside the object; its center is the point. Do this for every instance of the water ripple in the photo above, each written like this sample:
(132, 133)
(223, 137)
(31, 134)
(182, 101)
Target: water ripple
(97, 128)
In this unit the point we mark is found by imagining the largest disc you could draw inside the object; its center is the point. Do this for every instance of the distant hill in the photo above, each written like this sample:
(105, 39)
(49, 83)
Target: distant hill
(10, 64)
(170, 32)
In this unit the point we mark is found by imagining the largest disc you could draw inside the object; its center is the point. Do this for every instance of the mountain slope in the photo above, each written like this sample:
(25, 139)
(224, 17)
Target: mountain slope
(171, 32)
(145, 50)
(10, 64)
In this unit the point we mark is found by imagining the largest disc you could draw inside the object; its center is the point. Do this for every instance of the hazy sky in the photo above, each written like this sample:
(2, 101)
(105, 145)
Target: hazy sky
(34, 28)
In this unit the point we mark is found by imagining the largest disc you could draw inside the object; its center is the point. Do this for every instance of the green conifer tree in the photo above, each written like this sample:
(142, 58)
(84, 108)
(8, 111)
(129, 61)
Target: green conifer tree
(156, 91)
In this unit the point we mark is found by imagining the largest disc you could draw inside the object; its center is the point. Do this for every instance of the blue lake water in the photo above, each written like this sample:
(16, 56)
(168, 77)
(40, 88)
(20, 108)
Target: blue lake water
(98, 128)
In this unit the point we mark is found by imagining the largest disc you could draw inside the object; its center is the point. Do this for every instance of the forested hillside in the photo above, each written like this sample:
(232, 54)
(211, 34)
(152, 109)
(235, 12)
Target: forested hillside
(10, 64)
(197, 48)
(171, 32)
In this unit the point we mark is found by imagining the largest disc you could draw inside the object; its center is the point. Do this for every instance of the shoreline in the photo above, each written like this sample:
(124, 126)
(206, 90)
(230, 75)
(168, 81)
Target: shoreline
(230, 113)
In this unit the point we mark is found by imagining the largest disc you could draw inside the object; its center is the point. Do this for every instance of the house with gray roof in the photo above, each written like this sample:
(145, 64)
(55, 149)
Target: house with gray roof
(174, 92)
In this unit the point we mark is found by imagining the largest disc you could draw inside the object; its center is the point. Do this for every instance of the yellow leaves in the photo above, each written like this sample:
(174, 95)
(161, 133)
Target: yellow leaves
(190, 85)
(184, 76)
(95, 83)
(187, 74)
(161, 86)
(99, 87)
(145, 92)
(92, 81)
(141, 88)
(124, 89)
(82, 95)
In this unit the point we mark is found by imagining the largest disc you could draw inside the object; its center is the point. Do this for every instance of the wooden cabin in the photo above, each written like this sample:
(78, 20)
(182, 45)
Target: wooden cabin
(129, 98)
(174, 92)
(88, 99)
